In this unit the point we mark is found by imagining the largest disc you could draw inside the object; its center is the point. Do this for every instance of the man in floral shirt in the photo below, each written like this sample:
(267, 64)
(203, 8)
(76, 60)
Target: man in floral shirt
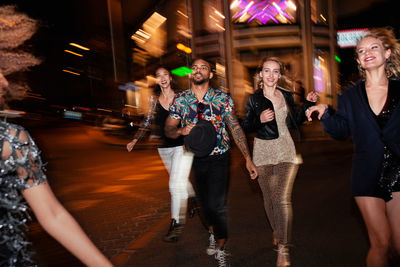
(211, 172)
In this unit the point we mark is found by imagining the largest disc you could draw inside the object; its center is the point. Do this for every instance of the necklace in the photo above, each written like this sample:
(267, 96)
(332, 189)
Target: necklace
(169, 98)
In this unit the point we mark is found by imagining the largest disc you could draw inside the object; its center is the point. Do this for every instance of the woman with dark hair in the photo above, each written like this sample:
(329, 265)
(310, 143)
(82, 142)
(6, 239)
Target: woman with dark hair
(23, 183)
(177, 161)
(270, 112)
(369, 112)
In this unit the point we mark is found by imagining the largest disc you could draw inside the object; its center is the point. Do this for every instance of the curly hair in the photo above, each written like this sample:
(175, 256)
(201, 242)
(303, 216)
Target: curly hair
(15, 29)
(258, 82)
(389, 41)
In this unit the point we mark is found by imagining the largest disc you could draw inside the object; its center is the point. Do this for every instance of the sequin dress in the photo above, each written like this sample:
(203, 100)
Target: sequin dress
(389, 180)
(281, 149)
(21, 168)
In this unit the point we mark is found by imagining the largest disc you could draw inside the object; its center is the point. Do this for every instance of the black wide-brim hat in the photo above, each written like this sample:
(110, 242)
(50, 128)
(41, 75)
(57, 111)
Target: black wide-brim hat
(202, 139)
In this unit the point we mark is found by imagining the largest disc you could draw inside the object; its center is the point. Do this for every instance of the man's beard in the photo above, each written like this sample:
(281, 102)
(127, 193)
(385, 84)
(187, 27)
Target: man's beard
(199, 82)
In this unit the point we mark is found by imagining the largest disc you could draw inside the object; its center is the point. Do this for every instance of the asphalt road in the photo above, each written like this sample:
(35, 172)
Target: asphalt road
(121, 200)
(327, 228)
(115, 196)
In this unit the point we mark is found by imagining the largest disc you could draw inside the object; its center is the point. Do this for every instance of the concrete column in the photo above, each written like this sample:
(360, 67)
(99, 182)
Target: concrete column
(306, 43)
(228, 47)
(334, 88)
(118, 48)
(196, 22)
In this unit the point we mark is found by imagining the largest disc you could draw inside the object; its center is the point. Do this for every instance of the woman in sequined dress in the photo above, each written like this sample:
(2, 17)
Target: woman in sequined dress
(23, 184)
(369, 112)
(270, 112)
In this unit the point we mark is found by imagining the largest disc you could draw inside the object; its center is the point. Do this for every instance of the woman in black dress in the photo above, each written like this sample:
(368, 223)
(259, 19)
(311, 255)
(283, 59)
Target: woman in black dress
(369, 111)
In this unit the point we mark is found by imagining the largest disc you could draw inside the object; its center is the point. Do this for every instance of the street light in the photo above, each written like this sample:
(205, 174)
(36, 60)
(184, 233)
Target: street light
(79, 46)
(184, 48)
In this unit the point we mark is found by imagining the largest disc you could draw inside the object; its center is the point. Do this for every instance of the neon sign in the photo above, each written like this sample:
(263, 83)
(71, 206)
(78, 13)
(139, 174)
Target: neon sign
(350, 38)
(264, 11)
(181, 71)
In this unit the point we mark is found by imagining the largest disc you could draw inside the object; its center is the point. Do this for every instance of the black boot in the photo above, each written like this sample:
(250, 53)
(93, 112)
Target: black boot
(175, 229)
(193, 206)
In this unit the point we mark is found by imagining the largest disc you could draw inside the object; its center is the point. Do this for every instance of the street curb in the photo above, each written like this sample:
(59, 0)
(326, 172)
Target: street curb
(123, 257)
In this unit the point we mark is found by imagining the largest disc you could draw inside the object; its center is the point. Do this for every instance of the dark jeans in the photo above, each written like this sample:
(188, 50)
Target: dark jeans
(211, 178)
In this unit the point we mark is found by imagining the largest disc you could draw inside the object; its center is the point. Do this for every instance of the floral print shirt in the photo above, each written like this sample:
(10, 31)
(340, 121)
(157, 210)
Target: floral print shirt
(214, 107)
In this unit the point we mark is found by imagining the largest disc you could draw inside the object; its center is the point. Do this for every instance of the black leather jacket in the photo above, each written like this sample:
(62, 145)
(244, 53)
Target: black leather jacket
(257, 103)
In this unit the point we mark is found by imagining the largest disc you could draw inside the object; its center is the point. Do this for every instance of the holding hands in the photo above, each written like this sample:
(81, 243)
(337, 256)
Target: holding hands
(312, 96)
(320, 109)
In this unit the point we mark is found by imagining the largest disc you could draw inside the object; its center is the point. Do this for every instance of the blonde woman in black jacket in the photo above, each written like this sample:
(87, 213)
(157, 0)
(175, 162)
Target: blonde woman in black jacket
(270, 112)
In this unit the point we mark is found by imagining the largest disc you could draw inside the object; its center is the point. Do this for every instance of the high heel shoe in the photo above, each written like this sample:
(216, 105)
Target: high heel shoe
(283, 259)
(275, 239)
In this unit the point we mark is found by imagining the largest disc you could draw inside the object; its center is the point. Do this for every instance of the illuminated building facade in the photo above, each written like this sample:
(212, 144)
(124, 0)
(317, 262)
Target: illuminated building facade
(237, 35)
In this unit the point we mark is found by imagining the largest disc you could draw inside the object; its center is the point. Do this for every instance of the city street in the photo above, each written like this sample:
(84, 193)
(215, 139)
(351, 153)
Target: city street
(116, 196)
(82, 87)
(121, 200)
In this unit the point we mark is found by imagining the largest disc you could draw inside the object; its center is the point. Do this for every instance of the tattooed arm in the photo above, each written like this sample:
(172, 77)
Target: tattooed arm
(238, 134)
(240, 140)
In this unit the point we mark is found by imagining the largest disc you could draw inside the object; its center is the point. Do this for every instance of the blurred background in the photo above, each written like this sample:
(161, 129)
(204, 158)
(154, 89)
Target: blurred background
(99, 56)
(97, 72)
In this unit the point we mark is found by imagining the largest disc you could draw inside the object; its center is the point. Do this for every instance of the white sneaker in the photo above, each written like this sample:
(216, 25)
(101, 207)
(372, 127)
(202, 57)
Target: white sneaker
(212, 245)
(222, 257)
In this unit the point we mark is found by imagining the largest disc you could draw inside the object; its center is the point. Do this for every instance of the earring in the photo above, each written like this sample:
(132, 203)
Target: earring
(388, 68)
(361, 70)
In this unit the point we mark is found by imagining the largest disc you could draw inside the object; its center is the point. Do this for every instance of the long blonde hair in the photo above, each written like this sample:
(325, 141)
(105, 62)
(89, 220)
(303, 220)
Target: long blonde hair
(389, 41)
(258, 82)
